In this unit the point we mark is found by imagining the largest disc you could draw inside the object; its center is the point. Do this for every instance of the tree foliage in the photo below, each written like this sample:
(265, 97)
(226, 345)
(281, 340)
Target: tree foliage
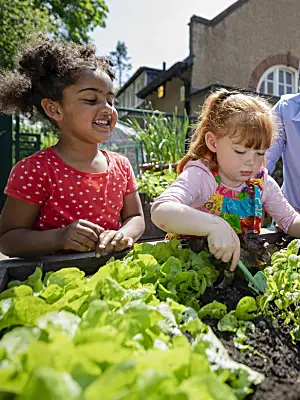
(19, 18)
(70, 19)
(73, 19)
(121, 60)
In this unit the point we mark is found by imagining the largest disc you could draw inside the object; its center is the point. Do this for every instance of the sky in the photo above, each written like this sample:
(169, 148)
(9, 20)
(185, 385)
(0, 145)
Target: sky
(153, 31)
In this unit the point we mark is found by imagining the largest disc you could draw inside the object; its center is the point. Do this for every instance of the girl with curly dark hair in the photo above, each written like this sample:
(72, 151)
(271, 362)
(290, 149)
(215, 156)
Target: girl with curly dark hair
(72, 196)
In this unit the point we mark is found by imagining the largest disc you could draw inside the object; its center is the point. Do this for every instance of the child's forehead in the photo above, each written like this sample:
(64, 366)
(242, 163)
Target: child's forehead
(94, 78)
(239, 141)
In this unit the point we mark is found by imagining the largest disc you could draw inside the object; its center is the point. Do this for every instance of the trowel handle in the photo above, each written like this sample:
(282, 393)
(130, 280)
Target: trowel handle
(246, 272)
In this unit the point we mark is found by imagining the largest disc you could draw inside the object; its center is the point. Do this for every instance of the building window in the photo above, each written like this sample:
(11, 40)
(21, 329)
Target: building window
(161, 92)
(279, 80)
(182, 93)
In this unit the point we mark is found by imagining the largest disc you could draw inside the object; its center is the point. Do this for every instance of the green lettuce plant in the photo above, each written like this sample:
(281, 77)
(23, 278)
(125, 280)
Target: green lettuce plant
(119, 334)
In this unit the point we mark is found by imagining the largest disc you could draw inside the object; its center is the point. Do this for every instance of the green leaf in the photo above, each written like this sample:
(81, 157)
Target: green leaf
(240, 339)
(214, 310)
(104, 353)
(48, 384)
(35, 281)
(24, 311)
(210, 387)
(52, 293)
(171, 268)
(154, 384)
(68, 300)
(293, 247)
(16, 342)
(293, 261)
(65, 277)
(245, 307)
(12, 380)
(95, 315)
(142, 248)
(162, 251)
(295, 333)
(62, 321)
(112, 381)
(16, 291)
(85, 372)
(228, 323)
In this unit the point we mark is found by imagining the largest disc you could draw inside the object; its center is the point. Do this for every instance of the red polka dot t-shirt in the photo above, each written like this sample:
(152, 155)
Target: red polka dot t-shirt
(66, 194)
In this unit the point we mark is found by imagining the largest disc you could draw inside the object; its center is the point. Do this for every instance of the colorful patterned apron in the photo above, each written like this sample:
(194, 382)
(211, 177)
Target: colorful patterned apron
(242, 210)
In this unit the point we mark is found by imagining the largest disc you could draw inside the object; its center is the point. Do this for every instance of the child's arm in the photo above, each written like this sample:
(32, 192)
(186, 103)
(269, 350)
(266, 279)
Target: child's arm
(133, 223)
(133, 226)
(18, 239)
(178, 218)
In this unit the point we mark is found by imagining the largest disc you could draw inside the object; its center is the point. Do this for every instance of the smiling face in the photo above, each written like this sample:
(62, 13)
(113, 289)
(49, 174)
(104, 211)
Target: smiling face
(87, 111)
(236, 163)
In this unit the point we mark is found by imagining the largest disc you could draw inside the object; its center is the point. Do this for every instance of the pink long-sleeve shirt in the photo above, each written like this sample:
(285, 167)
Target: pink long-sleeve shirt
(196, 185)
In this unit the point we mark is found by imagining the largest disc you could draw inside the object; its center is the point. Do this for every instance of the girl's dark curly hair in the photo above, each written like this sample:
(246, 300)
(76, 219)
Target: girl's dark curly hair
(44, 68)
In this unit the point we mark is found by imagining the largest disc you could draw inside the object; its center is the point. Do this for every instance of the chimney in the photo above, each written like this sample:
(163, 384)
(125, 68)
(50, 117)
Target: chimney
(164, 66)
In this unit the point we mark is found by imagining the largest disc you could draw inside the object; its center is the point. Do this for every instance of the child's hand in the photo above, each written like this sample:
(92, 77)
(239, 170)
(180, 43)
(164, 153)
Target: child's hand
(112, 240)
(80, 236)
(224, 244)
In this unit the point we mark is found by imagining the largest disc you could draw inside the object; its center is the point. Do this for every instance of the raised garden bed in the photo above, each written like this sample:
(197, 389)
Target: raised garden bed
(273, 353)
(151, 231)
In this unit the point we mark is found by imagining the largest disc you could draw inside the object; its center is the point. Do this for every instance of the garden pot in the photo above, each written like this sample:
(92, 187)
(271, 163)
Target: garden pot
(151, 230)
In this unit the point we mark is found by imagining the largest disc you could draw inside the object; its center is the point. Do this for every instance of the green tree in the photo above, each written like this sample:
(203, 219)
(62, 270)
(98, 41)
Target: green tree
(18, 19)
(121, 61)
(70, 19)
(73, 19)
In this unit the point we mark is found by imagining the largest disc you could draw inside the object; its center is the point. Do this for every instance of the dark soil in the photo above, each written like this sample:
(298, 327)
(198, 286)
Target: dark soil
(281, 362)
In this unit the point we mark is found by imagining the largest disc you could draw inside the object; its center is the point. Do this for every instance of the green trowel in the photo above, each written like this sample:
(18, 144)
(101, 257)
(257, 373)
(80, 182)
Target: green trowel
(257, 283)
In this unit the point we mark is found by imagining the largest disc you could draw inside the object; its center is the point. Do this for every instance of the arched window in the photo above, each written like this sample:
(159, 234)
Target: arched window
(279, 80)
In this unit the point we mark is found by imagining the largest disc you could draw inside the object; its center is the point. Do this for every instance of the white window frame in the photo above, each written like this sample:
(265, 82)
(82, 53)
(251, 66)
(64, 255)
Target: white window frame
(275, 69)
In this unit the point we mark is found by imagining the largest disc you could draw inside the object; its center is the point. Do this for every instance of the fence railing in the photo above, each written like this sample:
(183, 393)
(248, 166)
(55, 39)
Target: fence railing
(132, 151)
(29, 139)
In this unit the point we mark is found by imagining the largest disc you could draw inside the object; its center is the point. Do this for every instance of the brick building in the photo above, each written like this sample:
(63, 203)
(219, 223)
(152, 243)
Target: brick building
(252, 45)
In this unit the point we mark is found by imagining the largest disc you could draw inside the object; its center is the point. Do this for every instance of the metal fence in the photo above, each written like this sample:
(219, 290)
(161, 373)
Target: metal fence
(132, 151)
(29, 138)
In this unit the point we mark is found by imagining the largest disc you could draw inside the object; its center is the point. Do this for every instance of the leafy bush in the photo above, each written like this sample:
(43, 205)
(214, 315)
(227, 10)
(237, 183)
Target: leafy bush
(153, 183)
(161, 138)
(282, 297)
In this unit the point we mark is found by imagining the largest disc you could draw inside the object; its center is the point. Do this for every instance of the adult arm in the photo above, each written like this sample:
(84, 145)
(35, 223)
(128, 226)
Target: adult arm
(277, 205)
(277, 148)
